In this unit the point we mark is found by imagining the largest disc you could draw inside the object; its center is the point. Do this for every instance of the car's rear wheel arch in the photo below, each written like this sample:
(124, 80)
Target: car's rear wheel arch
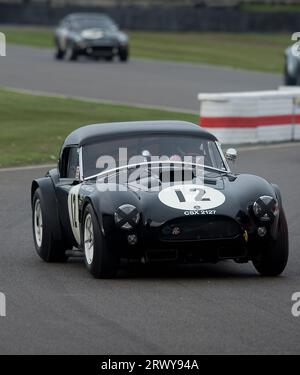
(48, 192)
(47, 244)
(34, 187)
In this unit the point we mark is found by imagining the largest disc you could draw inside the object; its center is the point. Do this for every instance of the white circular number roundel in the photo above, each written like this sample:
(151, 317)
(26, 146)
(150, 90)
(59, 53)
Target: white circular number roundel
(191, 197)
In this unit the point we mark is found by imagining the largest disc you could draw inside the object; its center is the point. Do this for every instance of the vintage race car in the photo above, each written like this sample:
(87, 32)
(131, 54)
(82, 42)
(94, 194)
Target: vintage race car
(90, 34)
(155, 191)
(291, 67)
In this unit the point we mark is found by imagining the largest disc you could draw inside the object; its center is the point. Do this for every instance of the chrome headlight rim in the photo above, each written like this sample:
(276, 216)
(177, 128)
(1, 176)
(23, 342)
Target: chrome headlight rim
(127, 216)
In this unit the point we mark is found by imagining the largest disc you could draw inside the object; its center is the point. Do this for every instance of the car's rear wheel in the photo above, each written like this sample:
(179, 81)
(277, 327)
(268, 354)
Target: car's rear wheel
(48, 249)
(101, 260)
(272, 260)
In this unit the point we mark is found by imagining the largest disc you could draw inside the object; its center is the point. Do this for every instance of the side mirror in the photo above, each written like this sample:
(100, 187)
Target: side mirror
(146, 154)
(231, 154)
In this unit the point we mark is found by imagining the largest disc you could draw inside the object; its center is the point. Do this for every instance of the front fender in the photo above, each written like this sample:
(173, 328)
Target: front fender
(105, 205)
(292, 64)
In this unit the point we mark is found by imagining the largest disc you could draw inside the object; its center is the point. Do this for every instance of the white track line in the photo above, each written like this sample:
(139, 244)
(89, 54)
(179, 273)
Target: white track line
(27, 168)
(191, 65)
(100, 101)
(268, 146)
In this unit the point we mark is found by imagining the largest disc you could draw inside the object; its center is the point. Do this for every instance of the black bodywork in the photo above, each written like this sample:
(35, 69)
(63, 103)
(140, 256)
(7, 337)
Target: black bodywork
(291, 68)
(90, 34)
(231, 232)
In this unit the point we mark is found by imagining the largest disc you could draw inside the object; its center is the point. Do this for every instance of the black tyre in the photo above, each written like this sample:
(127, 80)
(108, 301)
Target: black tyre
(124, 55)
(48, 249)
(272, 260)
(59, 54)
(71, 54)
(288, 79)
(101, 260)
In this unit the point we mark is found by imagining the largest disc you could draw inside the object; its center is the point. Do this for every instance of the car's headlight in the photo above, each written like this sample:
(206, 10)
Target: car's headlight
(77, 38)
(123, 39)
(127, 216)
(92, 34)
(265, 208)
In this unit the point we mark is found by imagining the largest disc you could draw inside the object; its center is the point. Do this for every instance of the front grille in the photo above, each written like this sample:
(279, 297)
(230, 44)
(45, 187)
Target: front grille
(200, 228)
(103, 48)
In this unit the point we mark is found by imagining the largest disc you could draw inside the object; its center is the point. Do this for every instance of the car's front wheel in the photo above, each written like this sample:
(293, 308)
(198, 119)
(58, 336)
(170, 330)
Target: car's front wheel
(101, 260)
(288, 79)
(59, 54)
(272, 260)
(46, 247)
(71, 53)
(124, 54)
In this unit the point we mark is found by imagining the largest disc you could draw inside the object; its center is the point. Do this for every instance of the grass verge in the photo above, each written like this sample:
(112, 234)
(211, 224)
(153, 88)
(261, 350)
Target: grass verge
(253, 51)
(32, 128)
(269, 7)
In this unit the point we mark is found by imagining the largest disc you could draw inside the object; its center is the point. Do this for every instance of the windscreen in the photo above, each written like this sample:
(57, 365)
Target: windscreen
(95, 23)
(125, 151)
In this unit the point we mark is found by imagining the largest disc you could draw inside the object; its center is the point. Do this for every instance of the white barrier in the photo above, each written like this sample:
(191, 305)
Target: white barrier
(252, 117)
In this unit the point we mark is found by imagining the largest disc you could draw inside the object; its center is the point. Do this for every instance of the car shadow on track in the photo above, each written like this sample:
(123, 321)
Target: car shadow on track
(185, 271)
(92, 61)
(224, 269)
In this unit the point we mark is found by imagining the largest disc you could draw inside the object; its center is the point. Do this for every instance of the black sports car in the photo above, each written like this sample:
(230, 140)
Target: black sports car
(90, 34)
(291, 68)
(155, 191)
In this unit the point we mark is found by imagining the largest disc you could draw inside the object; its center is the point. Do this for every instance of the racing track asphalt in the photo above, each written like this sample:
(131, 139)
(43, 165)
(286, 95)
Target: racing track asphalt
(224, 308)
(148, 82)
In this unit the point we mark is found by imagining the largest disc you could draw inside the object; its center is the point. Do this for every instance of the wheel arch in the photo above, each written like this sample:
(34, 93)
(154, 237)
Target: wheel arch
(278, 195)
(274, 231)
(93, 203)
(34, 187)
(49, 199)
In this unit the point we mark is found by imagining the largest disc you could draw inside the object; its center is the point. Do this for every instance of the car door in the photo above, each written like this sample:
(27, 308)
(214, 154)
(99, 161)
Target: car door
(68, 194)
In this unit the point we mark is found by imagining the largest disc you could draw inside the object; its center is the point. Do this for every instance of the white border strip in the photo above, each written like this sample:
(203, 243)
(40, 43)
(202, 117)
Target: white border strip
(268, 146)
(27, 168)
(100, 101)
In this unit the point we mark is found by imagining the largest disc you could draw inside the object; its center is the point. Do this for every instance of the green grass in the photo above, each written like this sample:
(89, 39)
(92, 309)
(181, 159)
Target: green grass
(29, 36)
(32, 128)
(256, 7)
(253, 51)
(263, 52)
